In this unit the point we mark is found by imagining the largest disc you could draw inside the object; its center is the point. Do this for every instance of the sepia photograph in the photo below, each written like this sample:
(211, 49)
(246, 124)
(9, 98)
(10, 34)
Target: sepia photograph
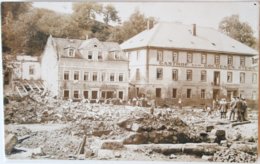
(130, 81)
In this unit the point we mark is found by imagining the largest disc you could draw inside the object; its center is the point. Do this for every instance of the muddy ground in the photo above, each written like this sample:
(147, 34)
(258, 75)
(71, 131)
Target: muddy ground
(39, 127)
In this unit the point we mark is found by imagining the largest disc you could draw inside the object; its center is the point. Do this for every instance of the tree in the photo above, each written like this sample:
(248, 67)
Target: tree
(110, 14)
(85, 13)
(238, 30)
(11, 11)
(136, 24)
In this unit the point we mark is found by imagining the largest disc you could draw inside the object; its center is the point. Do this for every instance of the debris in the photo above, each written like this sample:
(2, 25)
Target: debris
(81, 146)
(172, 156)
(207, 157)
(112, 145)
(10, 142)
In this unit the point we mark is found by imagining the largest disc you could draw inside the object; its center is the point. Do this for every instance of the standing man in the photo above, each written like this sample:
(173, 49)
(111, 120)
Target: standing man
(239, 109)
(233, 108)
(179, 102)
(244, 110)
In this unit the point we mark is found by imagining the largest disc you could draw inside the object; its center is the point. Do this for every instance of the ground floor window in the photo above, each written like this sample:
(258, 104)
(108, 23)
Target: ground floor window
(94, 94)
(85, 94)
(203, 94)
(188, 93)
(158, 92)
(66, 94)
(120, 94)
(174, 93)
(76, 94)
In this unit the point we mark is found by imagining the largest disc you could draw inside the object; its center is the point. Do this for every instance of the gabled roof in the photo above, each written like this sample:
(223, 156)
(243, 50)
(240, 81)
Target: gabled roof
(180, 36)
(62, 44)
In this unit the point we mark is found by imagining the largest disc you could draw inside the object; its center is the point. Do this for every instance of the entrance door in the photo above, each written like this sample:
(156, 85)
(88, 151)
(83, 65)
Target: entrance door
(216, 94)
(216, 78)
(94, 94)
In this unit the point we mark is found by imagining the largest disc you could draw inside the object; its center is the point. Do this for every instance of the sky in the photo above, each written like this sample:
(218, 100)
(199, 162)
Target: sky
(207, 14)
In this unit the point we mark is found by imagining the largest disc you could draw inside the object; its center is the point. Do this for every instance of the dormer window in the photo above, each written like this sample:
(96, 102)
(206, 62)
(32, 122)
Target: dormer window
(117, 55)
(90, 55)
(100, 57)
(71, 52)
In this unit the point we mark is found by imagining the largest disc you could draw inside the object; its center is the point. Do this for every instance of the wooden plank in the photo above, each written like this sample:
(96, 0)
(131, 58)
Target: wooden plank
(241, 123)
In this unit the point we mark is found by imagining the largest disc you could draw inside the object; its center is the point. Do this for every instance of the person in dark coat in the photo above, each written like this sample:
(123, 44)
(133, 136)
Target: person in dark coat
(239, 109)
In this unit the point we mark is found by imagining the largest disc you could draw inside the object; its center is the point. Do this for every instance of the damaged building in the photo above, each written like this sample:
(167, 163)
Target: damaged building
(22, 73)
(173, 61)
(89, 69)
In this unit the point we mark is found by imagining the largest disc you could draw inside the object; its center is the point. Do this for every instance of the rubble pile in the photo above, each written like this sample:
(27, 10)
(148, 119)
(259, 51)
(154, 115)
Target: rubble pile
(59, 129)
(233, 155)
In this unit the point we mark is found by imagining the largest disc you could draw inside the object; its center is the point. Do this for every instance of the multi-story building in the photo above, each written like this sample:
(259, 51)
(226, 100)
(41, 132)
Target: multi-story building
(90, 69)
(172, 61)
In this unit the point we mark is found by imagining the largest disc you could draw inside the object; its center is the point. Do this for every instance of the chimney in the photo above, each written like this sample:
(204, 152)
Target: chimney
(194, 30)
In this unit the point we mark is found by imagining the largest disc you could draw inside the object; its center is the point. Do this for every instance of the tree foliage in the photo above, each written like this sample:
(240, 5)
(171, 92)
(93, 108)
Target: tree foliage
(241, 31)
(26, 29)
(136, 24)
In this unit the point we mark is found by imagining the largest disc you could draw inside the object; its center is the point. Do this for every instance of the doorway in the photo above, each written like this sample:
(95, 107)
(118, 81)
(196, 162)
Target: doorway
(216, 93)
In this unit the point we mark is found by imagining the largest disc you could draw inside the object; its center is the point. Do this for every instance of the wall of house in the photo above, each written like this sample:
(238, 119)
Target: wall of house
(35, 74)
(81, 85)
(166, 84)
(49, 67)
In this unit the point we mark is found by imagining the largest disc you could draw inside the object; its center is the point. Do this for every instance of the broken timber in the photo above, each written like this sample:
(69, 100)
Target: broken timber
(81, 146)
(198, 149)
(241, 123)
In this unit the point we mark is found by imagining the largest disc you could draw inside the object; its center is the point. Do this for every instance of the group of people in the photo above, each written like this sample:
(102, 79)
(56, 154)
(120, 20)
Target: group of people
(237, 107)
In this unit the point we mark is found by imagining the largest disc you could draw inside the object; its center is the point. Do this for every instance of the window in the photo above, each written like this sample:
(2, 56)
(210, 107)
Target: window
(71, 52)
(229, 77)
(203, 94)
(76, 75)
(85, 94)
(76, 94)
(158, 92)
(103, 76)
(242, 77)
(120, 94)
(31, 69)
(94, 94)
(175, 57)
(174, 93)
(203, 58)
(189, 75)
(242, 61)
(103, 94)
(230, 60)
(112, 77)
(159, 74)
(254, 78)
(175, 74)
(189, 57)
(66, 75)
(137, 75)
(203, 76)
(159, 56)
(121, 77)
(188, 93)
(117, 55)
(66, 94)
(100, 57)
(90, 55)
(94, 76)
(217, 59)
(86, 75)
